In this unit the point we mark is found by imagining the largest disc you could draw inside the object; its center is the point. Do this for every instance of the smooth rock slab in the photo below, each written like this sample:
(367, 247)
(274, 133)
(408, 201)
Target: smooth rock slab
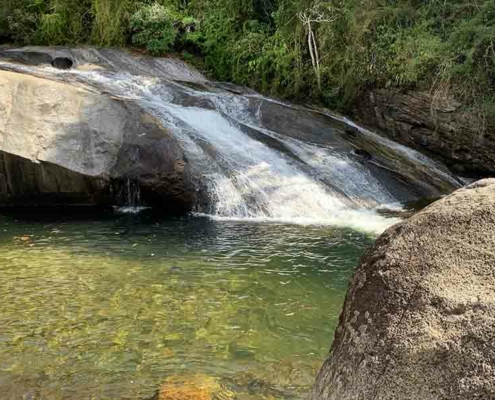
(63, 144)
(419, 319)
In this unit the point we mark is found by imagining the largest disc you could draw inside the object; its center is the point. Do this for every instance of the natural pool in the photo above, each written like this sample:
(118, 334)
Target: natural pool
(111, 306)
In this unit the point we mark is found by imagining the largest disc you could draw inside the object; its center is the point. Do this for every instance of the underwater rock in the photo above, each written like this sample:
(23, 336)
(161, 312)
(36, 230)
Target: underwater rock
(419, 318)
(194, 387)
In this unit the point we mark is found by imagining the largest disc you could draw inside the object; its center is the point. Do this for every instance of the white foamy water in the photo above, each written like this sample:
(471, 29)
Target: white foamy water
(245, 178)
(261, 184)
(130, 209)
(363, 188)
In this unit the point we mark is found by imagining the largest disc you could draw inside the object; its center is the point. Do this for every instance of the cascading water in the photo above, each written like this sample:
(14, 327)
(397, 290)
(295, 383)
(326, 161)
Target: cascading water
(128, 196)
(128, 191)
(252, 170)
(246, 179)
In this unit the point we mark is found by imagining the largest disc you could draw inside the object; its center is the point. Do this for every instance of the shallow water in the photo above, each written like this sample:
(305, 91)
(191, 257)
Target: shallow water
(110, 307)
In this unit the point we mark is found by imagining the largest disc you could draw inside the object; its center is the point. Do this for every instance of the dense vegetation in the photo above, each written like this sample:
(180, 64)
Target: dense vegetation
(306, 49)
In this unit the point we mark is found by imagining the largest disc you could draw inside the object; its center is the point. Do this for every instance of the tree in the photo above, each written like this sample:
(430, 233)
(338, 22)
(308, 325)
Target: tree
(307, 17)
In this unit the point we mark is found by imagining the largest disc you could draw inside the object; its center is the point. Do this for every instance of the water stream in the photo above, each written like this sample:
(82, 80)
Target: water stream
(246, 178)
(261, 159)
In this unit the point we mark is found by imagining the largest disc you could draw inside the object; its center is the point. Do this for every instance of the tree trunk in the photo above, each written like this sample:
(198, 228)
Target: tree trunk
(317, 58)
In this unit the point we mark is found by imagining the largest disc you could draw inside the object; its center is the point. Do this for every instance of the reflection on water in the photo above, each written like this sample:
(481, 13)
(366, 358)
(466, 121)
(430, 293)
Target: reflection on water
(113, 307)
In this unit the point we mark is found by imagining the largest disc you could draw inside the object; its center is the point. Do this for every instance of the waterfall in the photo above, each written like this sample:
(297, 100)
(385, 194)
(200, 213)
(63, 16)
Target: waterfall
(251, 165)
(248, 180)
(127, 194)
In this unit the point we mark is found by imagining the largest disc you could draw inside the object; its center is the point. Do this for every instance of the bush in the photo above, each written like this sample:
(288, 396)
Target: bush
(19, 20)
(111, 21)
(22, 26)
(152, 27)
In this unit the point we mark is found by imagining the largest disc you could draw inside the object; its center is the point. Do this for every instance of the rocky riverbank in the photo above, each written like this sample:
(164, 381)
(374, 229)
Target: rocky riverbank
(107, 126)
(437, 126)
(65, 143)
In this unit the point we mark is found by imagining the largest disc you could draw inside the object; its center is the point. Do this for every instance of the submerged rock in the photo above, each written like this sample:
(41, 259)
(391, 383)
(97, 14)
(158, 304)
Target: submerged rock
(61, 144)
(419, 318)
(193, 387)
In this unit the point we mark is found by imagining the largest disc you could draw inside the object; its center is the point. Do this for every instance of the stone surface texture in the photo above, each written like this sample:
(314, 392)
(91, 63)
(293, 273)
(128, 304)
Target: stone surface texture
(63, 144)
(419, 318)
(438, 126)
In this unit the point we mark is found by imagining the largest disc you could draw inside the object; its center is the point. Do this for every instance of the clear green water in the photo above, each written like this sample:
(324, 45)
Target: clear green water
(110, 307)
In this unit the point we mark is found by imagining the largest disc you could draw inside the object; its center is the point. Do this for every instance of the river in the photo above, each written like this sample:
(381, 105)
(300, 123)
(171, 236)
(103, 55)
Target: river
(107, 305)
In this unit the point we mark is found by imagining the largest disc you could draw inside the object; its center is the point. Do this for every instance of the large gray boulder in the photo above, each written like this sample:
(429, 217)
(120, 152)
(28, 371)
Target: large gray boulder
(115, 60)
(63, 144)
(419, 319)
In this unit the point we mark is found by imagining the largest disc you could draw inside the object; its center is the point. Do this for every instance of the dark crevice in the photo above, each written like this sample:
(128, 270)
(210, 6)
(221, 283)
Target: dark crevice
(62, 63)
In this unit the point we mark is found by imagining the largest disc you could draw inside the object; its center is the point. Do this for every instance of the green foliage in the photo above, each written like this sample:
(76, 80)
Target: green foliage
(152, 28)
(19, 20)
(21, 25)
(407, 44)
(64, 21)
(111, 20)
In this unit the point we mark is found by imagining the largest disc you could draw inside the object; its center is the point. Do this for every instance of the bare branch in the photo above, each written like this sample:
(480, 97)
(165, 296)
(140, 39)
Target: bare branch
(314, 15)
(307, 17)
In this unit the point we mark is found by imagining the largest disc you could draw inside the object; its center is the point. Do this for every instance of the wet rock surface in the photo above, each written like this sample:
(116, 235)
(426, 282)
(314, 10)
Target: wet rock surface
(115, 60)
(395, 170)
(419, 318)
(155, 131)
